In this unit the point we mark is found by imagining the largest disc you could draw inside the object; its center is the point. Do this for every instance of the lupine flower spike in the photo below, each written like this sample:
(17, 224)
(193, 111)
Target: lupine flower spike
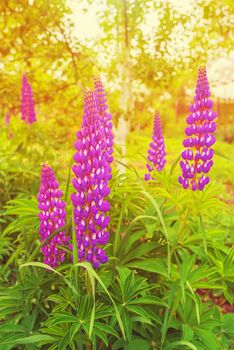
(156, 153)
(92, 174)
(7, 119)
(106, 117)
(27, 103)
(198, 154)
(52, 217)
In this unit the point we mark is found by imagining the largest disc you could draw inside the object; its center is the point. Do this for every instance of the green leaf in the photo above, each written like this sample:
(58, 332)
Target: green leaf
(92, 318)
(33, 339)
(173, 345)
(42, 265)
(117, 233)
(174, 300)
(149, 300)
(10, 327)
(74, 329)
(106, 328)
(186, 267)
(130, 239)
(93, 273)
(194, 297)
(101, 334)
(220, 154)
(62, 317)
(228, 324)
(141, 250)
(207, 338)
(174, 164)
(138, 343)
(155, 265)
(187, 332)
(155, 204)
(138, 310)
(64, 341)
(127, 322)
(74, 242)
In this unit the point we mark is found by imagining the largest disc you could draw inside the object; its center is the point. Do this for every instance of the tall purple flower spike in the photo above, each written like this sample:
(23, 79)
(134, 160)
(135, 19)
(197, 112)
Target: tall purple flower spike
(156, 153)
(52, 217)
(197, 155)
(27, 104)
(92, 174)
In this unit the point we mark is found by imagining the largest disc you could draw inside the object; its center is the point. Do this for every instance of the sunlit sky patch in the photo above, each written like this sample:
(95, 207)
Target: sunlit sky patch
(88, 31)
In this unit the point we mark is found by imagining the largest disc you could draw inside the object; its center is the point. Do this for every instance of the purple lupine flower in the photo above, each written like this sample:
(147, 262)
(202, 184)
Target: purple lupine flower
(197, 155)
(92, 174)
(106, 117)
(52, 217)
(7, 119)
(156, 153)
(27, 103)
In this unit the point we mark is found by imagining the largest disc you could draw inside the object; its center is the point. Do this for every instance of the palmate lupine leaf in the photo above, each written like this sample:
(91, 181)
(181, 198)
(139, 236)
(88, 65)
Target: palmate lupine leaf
(138, 343)
(155, 265)
(180, 344)
(27, 212)
(141, 250)
(47, 267)
(11, 327)
(67, 326)
(10, 301)
(32, 339)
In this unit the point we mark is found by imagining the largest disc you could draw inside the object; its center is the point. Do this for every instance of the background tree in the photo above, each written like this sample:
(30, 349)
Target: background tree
(36, 40)
(153, 47)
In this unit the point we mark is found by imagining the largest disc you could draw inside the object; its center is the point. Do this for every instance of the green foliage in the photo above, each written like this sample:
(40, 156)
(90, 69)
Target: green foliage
(161, 253)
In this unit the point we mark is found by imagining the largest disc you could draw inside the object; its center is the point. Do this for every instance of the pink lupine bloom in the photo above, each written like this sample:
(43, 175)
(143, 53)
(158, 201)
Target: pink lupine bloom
(198, 153)
(156, 153)
(52, 217)
(7, 119)
(93, 157)
(27, 103)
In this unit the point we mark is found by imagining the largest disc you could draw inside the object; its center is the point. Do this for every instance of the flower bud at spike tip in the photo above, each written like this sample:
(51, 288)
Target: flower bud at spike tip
(197, 155)
(52, 217)
(93, 157)
(27, 103)
(106, 117)
(156, 153)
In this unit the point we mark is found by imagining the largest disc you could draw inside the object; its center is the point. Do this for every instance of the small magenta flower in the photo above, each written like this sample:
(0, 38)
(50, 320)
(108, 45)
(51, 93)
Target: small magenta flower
(27, 103)
(197, 155)
(92, 174)
(52, 217)
(7, 119)
(156, 153)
